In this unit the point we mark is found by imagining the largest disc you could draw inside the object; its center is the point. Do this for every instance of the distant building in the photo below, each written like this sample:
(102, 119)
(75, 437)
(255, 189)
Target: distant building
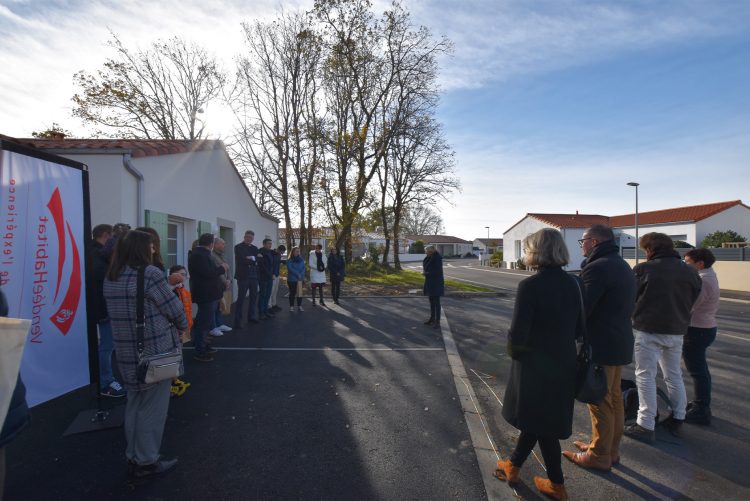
(445, 244)
(690, 224)
(487, 246)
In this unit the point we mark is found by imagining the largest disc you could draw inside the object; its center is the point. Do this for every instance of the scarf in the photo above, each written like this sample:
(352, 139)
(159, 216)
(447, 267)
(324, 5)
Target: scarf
(319, 258)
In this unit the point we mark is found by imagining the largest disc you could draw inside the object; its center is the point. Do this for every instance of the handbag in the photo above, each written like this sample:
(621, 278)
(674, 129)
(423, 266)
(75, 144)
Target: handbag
(591, 379)
(152, 368)
(300, 289)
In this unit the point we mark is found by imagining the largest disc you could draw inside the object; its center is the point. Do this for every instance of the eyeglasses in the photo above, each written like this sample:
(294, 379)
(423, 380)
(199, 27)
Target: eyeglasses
(580, 242)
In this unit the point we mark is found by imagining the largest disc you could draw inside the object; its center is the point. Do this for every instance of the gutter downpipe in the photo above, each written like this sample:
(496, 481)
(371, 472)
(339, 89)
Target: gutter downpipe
(128, 163)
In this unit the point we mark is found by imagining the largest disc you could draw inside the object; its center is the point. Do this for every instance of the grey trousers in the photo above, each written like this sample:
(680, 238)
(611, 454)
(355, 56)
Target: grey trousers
(145, 415)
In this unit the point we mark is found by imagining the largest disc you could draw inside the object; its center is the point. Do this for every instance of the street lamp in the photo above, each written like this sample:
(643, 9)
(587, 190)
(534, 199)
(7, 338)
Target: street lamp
(636, 219)
(488, 232)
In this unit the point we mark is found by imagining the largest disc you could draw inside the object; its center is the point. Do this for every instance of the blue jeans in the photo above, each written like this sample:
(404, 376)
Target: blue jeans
(106, 347)
(203, 323)
(266, 285)
(694, 346)
(247, 286)
(218, 317)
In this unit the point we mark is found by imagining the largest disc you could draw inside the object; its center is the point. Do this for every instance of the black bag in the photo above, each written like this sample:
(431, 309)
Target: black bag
(591, 380)
(152, 368)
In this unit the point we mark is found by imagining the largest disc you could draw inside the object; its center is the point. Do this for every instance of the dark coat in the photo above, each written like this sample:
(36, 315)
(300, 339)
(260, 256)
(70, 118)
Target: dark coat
(18, 417)
(432, 267)
(99, 266)
(265, 264)
(546, 321)
(609, 294)
(666, 291)
(206, 285)
(245, 268)
(336, 267)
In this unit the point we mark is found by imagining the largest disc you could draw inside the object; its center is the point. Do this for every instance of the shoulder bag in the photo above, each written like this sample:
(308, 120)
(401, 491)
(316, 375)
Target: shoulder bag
(591, 379)
(152, 368)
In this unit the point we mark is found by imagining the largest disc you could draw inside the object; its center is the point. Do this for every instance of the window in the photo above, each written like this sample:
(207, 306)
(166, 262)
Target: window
(171, 257)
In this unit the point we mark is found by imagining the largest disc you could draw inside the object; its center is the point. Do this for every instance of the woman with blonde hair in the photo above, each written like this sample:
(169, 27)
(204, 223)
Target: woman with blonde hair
(542, 343)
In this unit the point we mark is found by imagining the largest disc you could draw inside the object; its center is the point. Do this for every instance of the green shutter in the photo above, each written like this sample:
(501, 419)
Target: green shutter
(204, 227)
(159, 221)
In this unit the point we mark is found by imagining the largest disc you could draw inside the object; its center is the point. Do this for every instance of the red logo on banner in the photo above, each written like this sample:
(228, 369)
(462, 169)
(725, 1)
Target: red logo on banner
(65, 314)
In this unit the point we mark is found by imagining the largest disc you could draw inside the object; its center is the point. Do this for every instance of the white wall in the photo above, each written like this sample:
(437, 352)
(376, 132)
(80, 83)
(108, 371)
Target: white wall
(571, 237)
(673, 230)
(526, 227)
(736, 218)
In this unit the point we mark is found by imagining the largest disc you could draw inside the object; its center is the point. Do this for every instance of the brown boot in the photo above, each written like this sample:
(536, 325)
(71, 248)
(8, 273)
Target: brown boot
(547, 487)
(507, 472)
(584, 447)
(588, 460)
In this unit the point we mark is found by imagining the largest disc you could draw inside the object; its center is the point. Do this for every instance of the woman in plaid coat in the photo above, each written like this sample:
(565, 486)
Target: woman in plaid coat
(146, 410)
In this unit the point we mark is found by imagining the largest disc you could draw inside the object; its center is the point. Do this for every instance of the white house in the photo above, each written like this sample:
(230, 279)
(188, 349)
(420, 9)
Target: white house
(487, 246)
(571, 226)
(690, 224)
(180, 188)
(445, 244)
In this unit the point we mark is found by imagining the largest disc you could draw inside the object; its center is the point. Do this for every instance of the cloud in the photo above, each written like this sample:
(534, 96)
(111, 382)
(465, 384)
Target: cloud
(495, 41)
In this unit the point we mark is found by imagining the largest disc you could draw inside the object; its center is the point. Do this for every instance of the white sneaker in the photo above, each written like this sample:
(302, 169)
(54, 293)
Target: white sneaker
(299, 308)
(291, 308)
(224, 328)
(215, 332)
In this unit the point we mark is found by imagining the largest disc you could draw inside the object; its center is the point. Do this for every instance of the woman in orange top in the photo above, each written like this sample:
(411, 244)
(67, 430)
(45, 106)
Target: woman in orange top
(179, 386)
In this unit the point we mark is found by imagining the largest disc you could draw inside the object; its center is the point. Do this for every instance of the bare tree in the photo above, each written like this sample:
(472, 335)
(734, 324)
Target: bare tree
(274, 99)
(421, 220)
(154, 94)
(365, 58)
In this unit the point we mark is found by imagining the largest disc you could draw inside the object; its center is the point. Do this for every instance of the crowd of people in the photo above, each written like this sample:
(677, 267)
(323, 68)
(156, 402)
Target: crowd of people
(656, 314)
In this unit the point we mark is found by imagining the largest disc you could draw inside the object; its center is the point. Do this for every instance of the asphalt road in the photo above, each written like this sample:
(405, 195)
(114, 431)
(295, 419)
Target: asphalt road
(706, 463)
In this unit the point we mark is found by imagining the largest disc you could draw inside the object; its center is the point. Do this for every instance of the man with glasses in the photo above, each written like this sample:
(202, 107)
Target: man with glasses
(609, 297)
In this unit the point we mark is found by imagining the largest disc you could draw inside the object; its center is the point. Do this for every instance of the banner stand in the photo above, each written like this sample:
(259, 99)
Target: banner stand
(99, 418)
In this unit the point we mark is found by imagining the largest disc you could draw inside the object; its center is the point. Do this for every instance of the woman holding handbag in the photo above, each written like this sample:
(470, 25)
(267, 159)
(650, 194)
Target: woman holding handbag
(295, 278)
(542, 343)
(163, 319)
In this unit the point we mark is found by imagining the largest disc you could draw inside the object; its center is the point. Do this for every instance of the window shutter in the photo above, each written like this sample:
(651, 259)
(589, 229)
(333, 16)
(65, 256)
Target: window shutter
(159, 221)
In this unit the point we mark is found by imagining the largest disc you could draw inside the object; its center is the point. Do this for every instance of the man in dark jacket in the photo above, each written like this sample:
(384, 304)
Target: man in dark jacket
(207, 289)
(246, 274)
(108, 386)
(265, 260)
(434, 284)
(609, 296)
(666, 291)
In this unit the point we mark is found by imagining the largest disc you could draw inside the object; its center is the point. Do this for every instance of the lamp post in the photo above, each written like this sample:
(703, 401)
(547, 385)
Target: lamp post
(635, 185)
(488, 232)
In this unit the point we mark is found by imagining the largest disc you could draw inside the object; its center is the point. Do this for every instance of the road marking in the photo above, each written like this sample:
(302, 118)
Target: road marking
(735, 337)
(479, 283)
(484, 447)
(732, 300)
(502, 272)
(242, 348)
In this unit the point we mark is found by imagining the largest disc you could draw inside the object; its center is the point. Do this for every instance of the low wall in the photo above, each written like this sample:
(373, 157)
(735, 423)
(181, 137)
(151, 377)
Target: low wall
(733, 275)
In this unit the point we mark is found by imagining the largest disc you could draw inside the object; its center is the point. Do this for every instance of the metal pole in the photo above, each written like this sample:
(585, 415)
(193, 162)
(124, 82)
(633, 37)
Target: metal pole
(635, 185)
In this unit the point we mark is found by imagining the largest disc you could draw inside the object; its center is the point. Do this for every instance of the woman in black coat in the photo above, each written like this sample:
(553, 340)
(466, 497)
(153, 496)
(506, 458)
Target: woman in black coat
(434, 284)
(337, 269)
(542, 343)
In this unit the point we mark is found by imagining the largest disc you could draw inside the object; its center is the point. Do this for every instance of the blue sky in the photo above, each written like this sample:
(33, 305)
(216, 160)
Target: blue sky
(551, 106)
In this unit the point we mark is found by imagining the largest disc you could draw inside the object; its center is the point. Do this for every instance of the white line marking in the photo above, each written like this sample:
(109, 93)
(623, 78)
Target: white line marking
(732, 300)
(735, 337)
(239, 348)
(480, 283)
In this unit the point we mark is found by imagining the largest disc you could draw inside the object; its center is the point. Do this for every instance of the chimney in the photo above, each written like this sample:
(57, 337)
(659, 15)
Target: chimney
(576, 213)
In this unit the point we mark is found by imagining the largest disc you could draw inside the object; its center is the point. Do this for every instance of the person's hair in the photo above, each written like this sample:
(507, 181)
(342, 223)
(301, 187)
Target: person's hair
(157, 260)
(194, 245)
(266, 240)
(219, 240)
(133, 249)
(176, 268)
(101, 229)
(704, 255)
(318, 246)
(333, 249)
(206, 239)
(120, 229)
(250, 232)
(601, 232)
(281, 248)
(656, 242)
(545, 249)
(295, 248)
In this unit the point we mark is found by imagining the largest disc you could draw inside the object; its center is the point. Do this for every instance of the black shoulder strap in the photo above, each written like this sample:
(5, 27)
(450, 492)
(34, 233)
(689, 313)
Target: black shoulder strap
(140, 316)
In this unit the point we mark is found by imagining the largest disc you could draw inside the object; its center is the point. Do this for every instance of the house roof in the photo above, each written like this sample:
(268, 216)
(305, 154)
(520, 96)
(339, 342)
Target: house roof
(566, 220)
(437, 239)
(136, 147)
(491, 242)
(690, 214)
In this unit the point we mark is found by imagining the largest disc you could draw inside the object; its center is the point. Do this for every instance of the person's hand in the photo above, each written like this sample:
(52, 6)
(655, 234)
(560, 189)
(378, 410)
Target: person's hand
(175, 278)
(228, 286)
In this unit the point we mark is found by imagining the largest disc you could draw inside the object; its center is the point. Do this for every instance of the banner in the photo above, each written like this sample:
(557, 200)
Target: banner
(42, 268)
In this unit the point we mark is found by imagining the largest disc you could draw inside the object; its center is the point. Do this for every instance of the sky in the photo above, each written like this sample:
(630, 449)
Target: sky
(551, 106)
